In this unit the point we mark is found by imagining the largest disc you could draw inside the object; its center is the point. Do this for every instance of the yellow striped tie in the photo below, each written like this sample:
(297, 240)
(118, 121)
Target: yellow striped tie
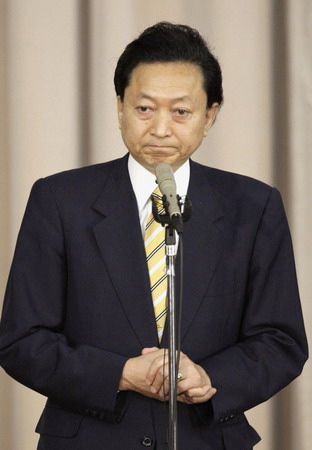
(154, 242)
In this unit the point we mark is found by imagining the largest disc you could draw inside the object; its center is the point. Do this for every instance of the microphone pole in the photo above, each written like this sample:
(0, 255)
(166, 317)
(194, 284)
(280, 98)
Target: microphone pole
(167, 185)
(172, 348)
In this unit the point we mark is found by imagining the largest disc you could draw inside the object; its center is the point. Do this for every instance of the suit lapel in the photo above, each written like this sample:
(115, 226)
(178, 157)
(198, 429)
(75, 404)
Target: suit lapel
(120, 241)
(119, 238)
(202, 241)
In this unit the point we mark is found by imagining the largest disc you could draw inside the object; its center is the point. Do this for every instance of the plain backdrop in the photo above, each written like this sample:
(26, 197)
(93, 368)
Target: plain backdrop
(57, 111)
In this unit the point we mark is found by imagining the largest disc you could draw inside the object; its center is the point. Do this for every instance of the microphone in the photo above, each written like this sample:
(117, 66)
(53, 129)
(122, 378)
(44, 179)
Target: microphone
(167, 185)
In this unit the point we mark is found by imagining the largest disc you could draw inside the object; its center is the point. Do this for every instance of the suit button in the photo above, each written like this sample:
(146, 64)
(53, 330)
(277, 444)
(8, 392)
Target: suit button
(147, 441)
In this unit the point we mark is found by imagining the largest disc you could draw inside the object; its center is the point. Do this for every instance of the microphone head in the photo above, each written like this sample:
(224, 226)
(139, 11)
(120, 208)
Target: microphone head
(167, 186)
(163, 170)
(165, 179)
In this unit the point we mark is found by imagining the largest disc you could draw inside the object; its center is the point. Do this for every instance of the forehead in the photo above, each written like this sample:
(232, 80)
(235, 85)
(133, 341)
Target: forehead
(176, 80)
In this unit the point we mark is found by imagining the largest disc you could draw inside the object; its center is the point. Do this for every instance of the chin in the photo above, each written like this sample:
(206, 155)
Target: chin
(150, 163)
(159, 159)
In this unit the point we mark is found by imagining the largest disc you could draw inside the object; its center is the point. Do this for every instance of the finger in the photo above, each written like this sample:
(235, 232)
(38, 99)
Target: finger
(193, 376)
(193, 389)
(181, 398)
(203, 399)
(154, 367)
(147, 350)
(161, 380)
(184, 398)
(205, 391)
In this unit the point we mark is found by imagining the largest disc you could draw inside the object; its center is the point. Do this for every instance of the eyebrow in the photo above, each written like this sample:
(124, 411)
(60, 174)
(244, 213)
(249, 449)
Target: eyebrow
(184, 98)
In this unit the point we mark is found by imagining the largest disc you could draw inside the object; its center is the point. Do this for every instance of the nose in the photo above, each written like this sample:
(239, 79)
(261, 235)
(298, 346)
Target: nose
(161, 125)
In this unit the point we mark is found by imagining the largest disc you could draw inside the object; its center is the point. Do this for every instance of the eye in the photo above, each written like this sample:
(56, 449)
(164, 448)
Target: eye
(143, 109)
(181, 112)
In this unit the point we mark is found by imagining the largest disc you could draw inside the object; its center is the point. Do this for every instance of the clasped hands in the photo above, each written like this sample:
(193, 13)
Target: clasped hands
(148, 374)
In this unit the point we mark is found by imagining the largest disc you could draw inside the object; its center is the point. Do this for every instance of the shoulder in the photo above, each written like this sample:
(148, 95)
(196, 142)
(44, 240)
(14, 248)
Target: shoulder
(227, 181)
(230, 184)
(93, 174)
(81, 183)
(237, 193)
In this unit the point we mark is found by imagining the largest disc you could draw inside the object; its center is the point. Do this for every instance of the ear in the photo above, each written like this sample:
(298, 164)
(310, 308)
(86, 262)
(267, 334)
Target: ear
(119, 110)
(211, 114)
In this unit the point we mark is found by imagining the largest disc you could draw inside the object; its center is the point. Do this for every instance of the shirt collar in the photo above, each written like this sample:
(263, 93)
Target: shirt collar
(144, 182)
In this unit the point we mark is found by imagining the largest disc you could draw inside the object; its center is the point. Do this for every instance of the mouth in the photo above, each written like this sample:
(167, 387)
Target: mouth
(160, 147)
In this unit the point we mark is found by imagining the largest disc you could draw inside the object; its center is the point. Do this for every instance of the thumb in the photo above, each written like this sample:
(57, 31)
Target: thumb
(147, 350)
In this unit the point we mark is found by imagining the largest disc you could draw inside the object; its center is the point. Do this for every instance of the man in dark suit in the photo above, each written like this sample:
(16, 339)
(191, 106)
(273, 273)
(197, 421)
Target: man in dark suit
(78, 323)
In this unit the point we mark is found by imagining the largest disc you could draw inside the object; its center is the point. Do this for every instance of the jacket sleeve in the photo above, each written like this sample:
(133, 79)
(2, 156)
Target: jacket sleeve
(33, 348)
(272, 347)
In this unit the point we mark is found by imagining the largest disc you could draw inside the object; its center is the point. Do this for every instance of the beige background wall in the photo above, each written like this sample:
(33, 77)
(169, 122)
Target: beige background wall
(57, 111)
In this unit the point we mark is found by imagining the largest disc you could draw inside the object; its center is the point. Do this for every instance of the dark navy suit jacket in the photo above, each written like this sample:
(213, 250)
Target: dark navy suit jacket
(78, 305)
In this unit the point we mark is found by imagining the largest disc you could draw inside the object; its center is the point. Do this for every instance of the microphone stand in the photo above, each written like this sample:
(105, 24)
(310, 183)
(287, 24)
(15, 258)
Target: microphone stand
(173, 224)
(172, 348)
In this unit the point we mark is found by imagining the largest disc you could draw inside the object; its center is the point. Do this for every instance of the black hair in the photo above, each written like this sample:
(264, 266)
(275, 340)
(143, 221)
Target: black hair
(168, 42)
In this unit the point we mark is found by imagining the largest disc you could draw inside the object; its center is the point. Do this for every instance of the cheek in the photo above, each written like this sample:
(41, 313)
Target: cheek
(191, 138)
(135, 127)
(200, 132)
(133, 134)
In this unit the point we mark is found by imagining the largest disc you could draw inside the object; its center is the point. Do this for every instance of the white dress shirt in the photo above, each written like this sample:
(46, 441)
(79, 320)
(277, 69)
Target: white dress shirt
(144, 183)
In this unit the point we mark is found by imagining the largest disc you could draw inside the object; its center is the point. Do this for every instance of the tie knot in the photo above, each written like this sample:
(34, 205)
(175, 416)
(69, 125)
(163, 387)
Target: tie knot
(156, 192)
(157, 197)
